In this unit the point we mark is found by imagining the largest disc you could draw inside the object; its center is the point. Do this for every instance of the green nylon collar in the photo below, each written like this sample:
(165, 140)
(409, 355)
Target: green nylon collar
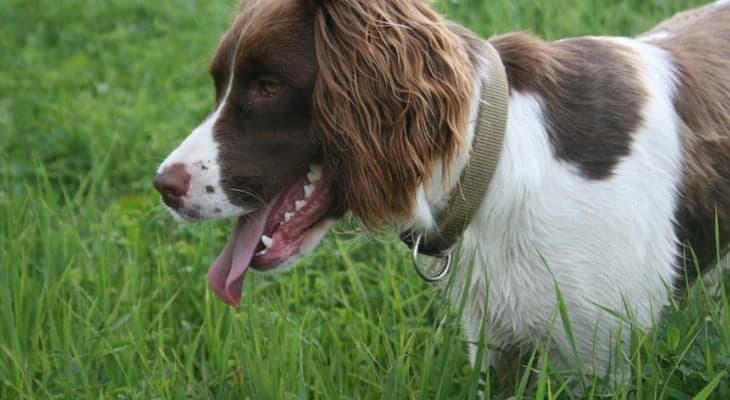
(477, 175)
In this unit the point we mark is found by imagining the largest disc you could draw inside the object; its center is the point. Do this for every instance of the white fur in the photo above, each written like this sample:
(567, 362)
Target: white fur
(655, 36)
(608, 245)
(199, 154)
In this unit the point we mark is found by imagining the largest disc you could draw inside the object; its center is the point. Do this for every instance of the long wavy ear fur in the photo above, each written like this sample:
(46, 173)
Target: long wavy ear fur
(392, 98)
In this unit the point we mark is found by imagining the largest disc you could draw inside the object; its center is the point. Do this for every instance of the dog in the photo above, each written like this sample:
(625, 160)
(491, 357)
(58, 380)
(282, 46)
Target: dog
(612, 176)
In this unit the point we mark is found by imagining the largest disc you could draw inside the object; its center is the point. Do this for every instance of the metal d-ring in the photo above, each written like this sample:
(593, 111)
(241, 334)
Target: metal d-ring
(447, 259)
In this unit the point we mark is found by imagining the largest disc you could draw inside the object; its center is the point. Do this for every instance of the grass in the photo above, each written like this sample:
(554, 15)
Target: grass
(102, 295)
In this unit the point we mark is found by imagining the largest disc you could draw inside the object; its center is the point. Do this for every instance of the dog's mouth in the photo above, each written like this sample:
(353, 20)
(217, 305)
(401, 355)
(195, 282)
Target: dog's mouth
(268, 237)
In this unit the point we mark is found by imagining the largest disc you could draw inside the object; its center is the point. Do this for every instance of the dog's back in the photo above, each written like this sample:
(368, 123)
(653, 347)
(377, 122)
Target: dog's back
(698, 41)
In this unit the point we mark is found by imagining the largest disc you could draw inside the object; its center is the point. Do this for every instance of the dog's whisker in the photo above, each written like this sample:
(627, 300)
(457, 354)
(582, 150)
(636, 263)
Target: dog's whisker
(251, 194)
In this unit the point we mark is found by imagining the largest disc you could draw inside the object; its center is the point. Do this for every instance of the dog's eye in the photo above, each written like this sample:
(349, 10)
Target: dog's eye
(269, 87)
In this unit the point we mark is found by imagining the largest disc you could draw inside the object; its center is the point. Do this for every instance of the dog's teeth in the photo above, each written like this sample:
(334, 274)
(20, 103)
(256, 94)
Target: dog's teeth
(313, 177)
(267, 241)
(308, 189)
(288, 216)
(315, 173)
(299, 204)
(262, 253)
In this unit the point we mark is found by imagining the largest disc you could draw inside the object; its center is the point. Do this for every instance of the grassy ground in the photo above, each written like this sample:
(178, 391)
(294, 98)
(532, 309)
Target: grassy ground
(102, 295)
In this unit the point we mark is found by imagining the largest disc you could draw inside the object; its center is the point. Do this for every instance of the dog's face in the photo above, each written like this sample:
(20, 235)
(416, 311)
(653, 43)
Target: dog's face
(254, 157)
(316, 112)
(257, 141)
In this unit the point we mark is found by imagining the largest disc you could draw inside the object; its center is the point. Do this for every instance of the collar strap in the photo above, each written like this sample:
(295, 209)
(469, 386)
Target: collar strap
(477, 175)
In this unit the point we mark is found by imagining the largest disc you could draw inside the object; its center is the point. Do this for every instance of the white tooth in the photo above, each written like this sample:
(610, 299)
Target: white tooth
(262, 253)
(299, 204)
(267, 241)
(312, 177)
(315, 173)
(308, 189)
(288, 217)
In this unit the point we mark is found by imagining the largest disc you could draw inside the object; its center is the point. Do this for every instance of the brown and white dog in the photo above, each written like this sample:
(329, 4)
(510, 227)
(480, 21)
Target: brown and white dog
(616, 157)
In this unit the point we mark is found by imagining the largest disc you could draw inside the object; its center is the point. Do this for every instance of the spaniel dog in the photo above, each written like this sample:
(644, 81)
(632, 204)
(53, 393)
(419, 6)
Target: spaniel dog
(612, 180)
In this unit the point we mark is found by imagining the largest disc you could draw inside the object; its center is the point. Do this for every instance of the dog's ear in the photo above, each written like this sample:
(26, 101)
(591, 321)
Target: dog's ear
(391, 99)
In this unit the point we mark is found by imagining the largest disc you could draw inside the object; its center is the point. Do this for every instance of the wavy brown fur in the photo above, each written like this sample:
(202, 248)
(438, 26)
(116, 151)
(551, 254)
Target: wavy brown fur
(392, 98)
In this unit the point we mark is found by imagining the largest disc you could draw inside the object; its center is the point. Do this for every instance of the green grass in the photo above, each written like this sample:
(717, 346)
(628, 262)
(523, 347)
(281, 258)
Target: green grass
(102, 295)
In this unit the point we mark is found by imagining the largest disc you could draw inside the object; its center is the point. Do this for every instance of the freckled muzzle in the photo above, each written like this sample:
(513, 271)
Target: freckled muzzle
(192, 191)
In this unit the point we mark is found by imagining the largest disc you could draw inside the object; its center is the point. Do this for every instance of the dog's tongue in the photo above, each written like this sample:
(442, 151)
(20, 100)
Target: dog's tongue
(226, 273)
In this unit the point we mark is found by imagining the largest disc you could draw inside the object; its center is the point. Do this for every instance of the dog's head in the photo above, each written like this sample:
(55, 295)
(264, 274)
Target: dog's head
(321, 107)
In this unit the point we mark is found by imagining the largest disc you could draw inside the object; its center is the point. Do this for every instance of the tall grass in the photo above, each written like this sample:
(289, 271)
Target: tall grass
(102, 295)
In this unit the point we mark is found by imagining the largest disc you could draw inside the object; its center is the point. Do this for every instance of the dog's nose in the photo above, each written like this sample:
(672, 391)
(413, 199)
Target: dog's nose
(173, 183)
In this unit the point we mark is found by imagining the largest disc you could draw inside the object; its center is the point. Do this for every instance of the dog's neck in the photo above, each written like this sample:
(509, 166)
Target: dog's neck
(434, 196)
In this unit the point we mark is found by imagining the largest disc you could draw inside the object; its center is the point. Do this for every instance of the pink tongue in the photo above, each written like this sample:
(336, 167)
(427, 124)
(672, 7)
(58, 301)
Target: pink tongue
(226, 273)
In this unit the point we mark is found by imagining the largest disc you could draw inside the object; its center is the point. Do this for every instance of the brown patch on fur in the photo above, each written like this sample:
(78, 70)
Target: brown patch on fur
(392, 97)
(220, 66)
(591, 92)
(263, 131)
(698, 42)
